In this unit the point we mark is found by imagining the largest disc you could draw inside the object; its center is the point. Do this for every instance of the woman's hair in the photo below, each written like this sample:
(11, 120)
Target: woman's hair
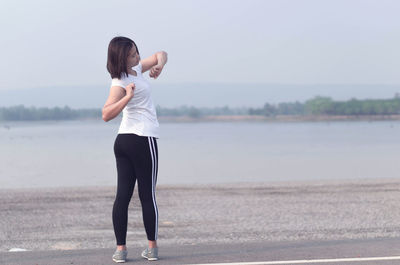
(118, 51)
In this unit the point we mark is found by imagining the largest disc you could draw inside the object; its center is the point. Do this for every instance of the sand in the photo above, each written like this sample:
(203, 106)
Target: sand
(80, 217)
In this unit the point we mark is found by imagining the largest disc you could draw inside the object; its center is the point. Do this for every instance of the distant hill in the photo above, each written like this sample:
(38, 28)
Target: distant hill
(199, 95)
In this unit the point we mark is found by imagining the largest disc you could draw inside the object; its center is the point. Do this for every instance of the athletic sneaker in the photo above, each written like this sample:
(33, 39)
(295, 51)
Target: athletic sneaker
(120, 256)
(150, 253)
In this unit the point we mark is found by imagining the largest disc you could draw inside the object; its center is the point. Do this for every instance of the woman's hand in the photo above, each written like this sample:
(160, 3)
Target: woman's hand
(129, 89)
(155, 71)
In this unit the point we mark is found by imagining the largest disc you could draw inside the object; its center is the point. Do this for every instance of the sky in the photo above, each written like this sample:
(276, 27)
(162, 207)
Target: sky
(64, 43)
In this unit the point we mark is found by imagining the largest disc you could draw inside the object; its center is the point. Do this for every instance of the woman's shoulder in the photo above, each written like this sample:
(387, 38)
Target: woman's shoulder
(123, 81)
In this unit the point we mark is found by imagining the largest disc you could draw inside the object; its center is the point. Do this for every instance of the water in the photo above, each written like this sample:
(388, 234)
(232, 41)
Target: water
(80, 153)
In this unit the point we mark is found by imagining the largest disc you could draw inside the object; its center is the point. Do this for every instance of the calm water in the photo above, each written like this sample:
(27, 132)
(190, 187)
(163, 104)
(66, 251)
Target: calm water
(79, 153)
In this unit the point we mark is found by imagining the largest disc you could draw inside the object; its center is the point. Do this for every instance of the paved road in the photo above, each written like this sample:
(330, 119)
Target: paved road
(225, 253)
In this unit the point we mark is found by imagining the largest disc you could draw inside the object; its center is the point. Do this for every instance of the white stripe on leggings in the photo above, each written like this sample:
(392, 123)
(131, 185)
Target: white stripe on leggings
(153, 181)
(156, 156)
(156, 161)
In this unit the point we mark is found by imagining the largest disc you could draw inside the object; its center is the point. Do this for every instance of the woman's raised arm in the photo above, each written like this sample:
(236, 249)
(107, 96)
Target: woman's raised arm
(155, 62)
(116, 101)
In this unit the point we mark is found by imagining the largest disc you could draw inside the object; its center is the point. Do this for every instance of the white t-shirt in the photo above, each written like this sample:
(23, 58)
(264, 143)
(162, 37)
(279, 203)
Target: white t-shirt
(139, 115)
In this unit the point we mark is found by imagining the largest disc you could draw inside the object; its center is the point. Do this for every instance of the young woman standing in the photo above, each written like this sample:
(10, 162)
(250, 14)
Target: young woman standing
(135, 146)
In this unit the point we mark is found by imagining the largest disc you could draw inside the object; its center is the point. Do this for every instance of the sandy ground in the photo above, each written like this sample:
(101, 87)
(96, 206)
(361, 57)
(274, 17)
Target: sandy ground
(80, 218)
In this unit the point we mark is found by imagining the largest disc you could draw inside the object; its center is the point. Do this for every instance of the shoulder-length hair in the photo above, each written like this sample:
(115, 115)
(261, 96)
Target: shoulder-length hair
(118, 52)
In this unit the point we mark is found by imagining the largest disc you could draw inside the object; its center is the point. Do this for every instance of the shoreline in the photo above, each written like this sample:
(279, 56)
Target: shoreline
(243, 118)
(235, 184)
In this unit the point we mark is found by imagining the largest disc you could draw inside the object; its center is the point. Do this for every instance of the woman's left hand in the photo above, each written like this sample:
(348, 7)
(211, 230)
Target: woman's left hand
(155, 71)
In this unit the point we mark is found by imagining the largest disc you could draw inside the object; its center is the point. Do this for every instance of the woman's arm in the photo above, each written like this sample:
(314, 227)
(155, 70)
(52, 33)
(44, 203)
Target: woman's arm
(117, 101)
(155, 62)
(162, 58)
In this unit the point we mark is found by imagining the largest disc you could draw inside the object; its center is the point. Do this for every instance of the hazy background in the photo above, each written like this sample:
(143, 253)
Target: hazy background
(221, 53)
(236, 53)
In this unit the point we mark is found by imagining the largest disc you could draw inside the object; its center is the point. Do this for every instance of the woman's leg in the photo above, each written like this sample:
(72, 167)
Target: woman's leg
(125, 187)
(146, 172)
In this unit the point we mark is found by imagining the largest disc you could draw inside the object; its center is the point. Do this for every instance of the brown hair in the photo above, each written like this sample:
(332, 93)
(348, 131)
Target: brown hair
(118, 51)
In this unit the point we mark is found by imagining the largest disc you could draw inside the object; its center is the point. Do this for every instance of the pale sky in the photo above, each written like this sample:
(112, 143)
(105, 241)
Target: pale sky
(64, 43)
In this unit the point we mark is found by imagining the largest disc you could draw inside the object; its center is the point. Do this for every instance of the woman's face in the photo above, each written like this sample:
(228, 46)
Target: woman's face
(133, 58)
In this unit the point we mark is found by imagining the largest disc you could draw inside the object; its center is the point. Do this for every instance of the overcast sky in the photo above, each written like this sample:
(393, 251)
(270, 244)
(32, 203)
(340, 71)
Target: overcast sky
(64, 43)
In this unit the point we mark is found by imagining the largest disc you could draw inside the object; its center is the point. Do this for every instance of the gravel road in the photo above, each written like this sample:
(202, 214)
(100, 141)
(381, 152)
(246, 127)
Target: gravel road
(80, 217)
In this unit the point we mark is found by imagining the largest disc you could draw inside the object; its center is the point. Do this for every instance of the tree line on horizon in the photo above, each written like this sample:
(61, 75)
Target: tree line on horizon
(318, 105)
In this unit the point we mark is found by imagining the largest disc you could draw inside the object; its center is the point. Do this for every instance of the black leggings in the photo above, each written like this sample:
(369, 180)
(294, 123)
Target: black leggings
(137, 158)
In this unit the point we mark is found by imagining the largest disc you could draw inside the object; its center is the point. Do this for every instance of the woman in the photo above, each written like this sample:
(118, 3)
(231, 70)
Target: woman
(135, 146)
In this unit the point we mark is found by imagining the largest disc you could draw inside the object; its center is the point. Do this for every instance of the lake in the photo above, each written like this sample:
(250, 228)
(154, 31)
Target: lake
(80, 153)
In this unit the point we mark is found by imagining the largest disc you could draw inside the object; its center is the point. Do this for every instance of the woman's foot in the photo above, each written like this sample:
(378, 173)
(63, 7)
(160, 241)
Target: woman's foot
(150, 253)
(120, 255)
